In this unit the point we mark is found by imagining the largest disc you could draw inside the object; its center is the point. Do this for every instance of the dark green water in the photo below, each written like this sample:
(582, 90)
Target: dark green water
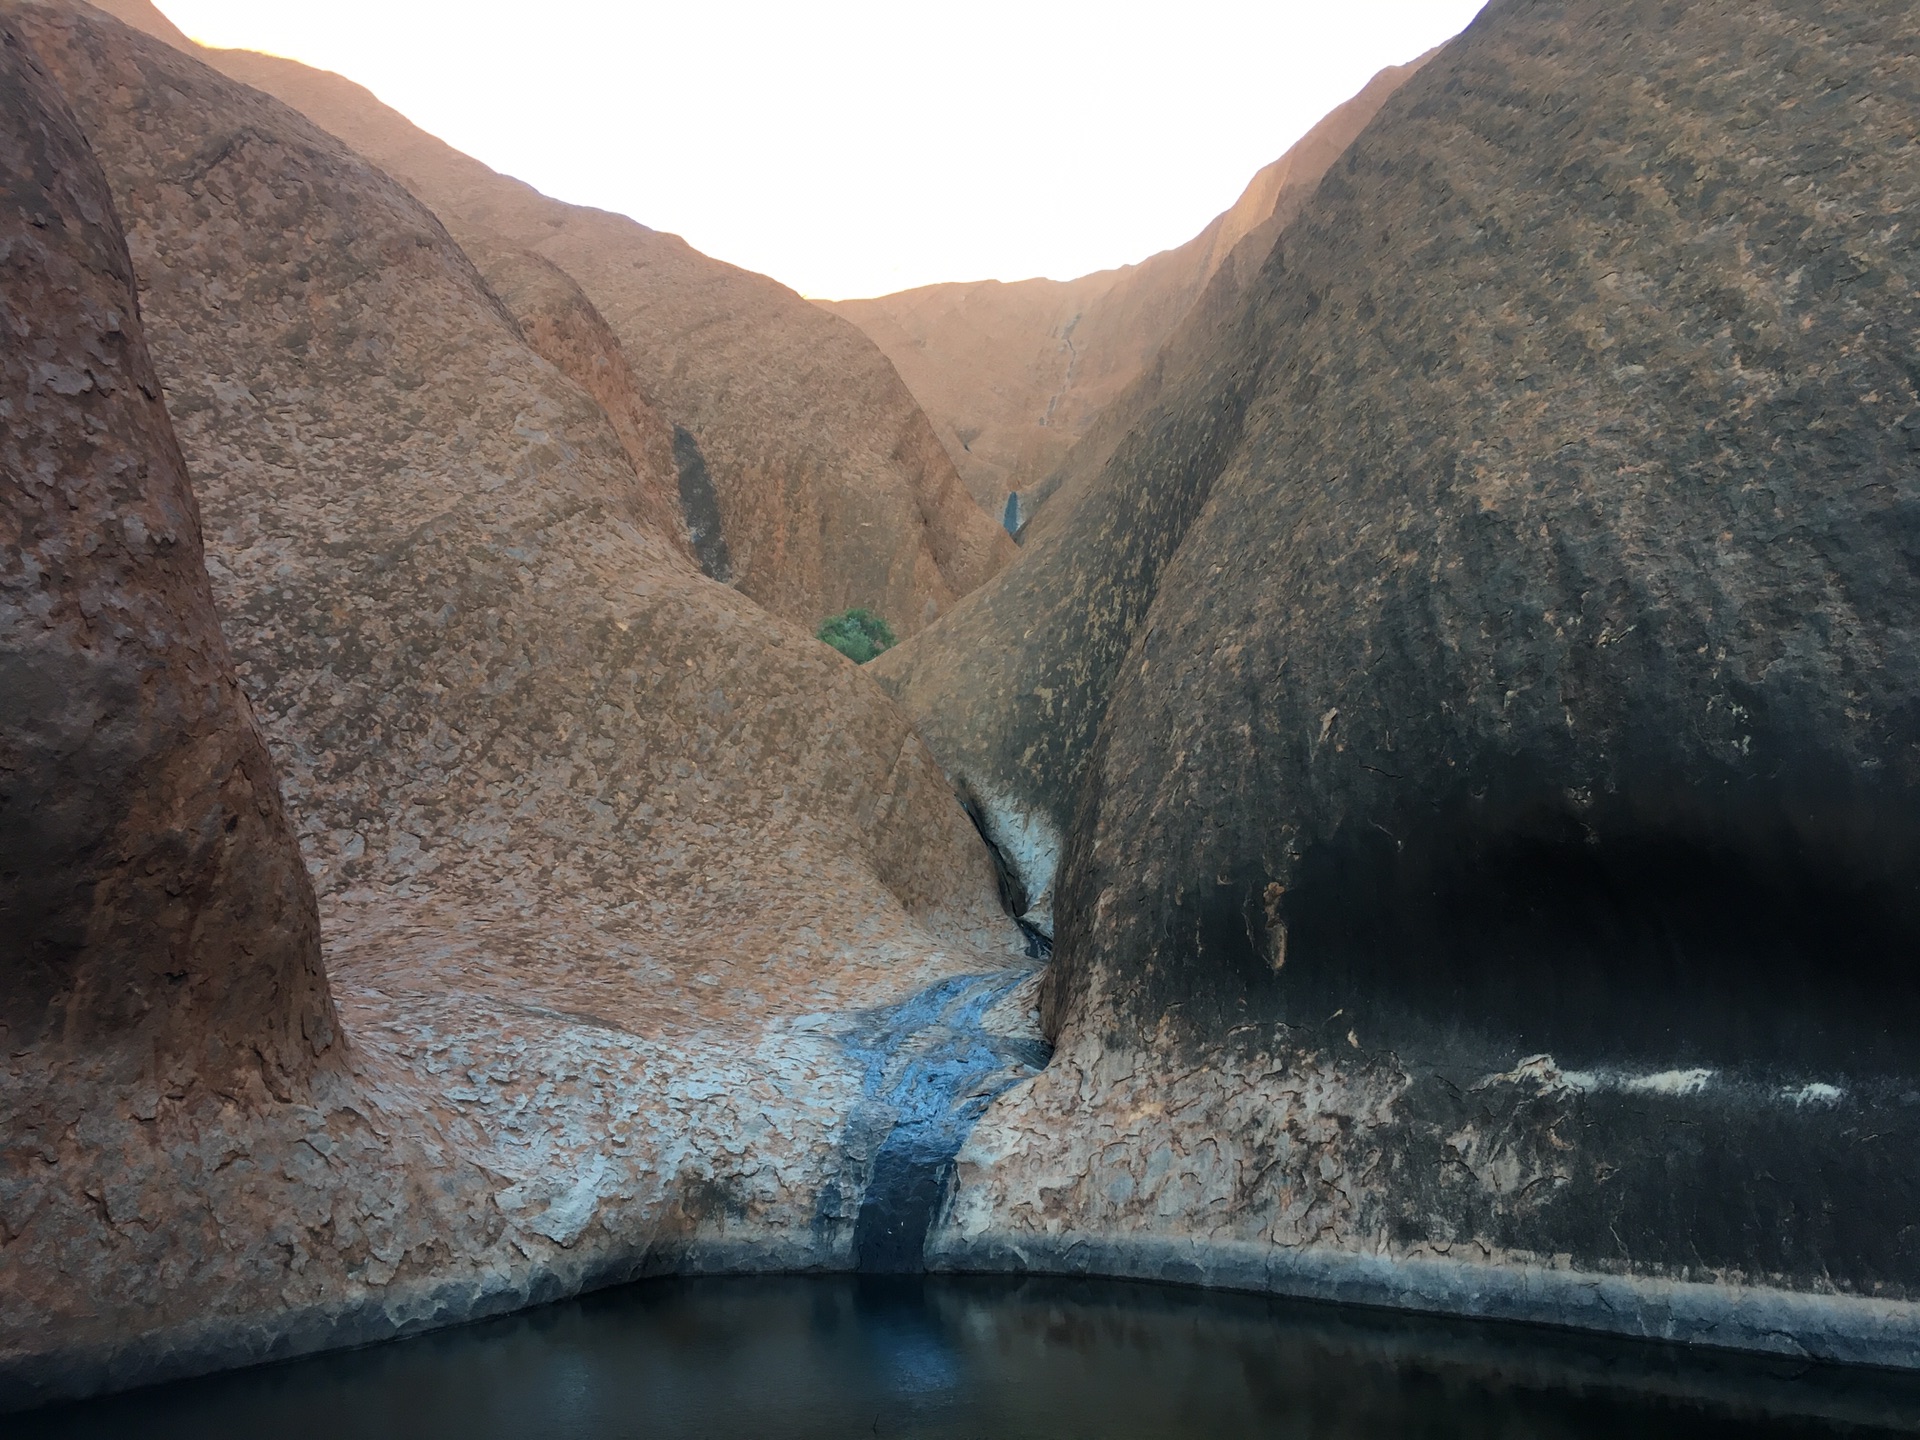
(977, 1359)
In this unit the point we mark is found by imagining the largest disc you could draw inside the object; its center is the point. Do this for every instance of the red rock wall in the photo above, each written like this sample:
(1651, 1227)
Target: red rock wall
(152, 897)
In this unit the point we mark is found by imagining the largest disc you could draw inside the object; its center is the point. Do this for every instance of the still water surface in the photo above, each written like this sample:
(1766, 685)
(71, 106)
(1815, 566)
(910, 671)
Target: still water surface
(981, 1359)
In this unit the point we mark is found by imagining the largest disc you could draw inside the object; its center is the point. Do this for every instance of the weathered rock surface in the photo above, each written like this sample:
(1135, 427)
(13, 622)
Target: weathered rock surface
(833, 489)
(1010, 687)
(561, 325)
(1500, 842)
(1015, 375)
(153, 902)
(618, 875)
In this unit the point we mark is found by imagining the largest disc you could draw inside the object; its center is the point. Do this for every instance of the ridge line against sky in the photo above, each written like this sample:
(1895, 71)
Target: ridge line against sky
(862, 148)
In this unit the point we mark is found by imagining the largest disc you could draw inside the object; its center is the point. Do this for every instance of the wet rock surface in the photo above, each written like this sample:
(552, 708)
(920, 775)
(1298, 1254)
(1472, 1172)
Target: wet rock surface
(596, 840)
(1497, 846)
(930, 1068)
(833, 489)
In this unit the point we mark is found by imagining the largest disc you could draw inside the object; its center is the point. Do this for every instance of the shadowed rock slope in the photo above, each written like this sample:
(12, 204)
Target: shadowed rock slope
(1009, 688)
(833, 490)
(1492, 885)
(1014, 375)
(628, 890)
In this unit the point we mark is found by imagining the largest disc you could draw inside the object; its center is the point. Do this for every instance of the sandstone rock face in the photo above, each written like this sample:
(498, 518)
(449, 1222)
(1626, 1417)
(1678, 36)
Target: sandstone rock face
(563, 328)
(833, 489)
(1009, 689)
(1500, 841)
(635, 900)
(1015, 375)
(155, 917)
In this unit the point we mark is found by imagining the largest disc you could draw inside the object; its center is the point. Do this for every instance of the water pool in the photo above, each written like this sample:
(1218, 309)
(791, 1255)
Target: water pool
(991, 1359)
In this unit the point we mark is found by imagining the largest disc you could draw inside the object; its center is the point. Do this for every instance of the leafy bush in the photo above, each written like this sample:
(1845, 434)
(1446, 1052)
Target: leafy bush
(857, 634)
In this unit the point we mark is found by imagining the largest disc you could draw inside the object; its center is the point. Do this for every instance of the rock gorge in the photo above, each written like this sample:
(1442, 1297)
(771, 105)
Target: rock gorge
(833, 490)
(1454, 719)
(621, 879)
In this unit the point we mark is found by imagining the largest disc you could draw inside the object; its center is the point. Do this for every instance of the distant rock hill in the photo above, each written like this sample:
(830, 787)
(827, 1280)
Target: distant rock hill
(833, 490)
(609, 861)
(1483, 694)
(1014, 375)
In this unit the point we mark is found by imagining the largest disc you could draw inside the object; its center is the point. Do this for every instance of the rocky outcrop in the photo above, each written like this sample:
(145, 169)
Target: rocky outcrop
(563, 328)
(1487, 887)
(618, 875)
(834, 491)
(1009, 689)
(1014, 376)
(154, 908)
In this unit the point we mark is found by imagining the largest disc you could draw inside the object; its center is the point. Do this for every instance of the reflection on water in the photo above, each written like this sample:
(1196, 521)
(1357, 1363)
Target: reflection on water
(984, 1359)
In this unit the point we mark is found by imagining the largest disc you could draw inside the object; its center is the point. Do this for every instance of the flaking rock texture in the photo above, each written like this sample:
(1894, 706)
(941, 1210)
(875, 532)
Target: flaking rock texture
(611, 863)
(152, 898)
(563, 328)
(1014, 376)
(1509, 794)
(1010, 687)
(171, 1053)
(833, 489)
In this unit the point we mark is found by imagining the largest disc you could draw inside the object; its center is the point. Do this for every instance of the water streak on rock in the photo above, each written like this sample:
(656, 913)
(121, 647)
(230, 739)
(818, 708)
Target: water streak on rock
(931, 1068)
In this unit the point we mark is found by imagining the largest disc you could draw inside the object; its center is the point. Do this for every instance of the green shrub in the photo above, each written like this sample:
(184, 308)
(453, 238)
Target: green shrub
(857, 634)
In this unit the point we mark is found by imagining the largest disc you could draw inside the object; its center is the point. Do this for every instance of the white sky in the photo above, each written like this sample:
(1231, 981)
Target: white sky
(859, 147)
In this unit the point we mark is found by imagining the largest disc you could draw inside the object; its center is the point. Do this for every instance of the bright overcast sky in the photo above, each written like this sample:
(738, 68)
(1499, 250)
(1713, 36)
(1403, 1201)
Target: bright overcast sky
(855, 147)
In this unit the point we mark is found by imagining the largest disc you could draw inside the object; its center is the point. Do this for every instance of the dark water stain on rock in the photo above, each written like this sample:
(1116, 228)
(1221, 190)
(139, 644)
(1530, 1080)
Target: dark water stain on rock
(931, 1068)
(701, 506)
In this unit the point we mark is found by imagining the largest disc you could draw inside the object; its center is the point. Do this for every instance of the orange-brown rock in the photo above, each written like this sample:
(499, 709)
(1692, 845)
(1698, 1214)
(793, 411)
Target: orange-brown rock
(614, 868)
(1490, 878)
(153, 905)
(1009, 689)
(562, 326)
(1015, 375)
(833, 490)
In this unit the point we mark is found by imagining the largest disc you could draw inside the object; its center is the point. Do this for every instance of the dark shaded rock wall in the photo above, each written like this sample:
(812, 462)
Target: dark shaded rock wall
(1010, 687)
(152, 897)
(1547, 649)
(1501, 843)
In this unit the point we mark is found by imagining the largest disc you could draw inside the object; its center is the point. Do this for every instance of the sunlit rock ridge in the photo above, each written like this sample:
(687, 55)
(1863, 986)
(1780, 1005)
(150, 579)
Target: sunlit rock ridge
(1016, 375)
(833, 489)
